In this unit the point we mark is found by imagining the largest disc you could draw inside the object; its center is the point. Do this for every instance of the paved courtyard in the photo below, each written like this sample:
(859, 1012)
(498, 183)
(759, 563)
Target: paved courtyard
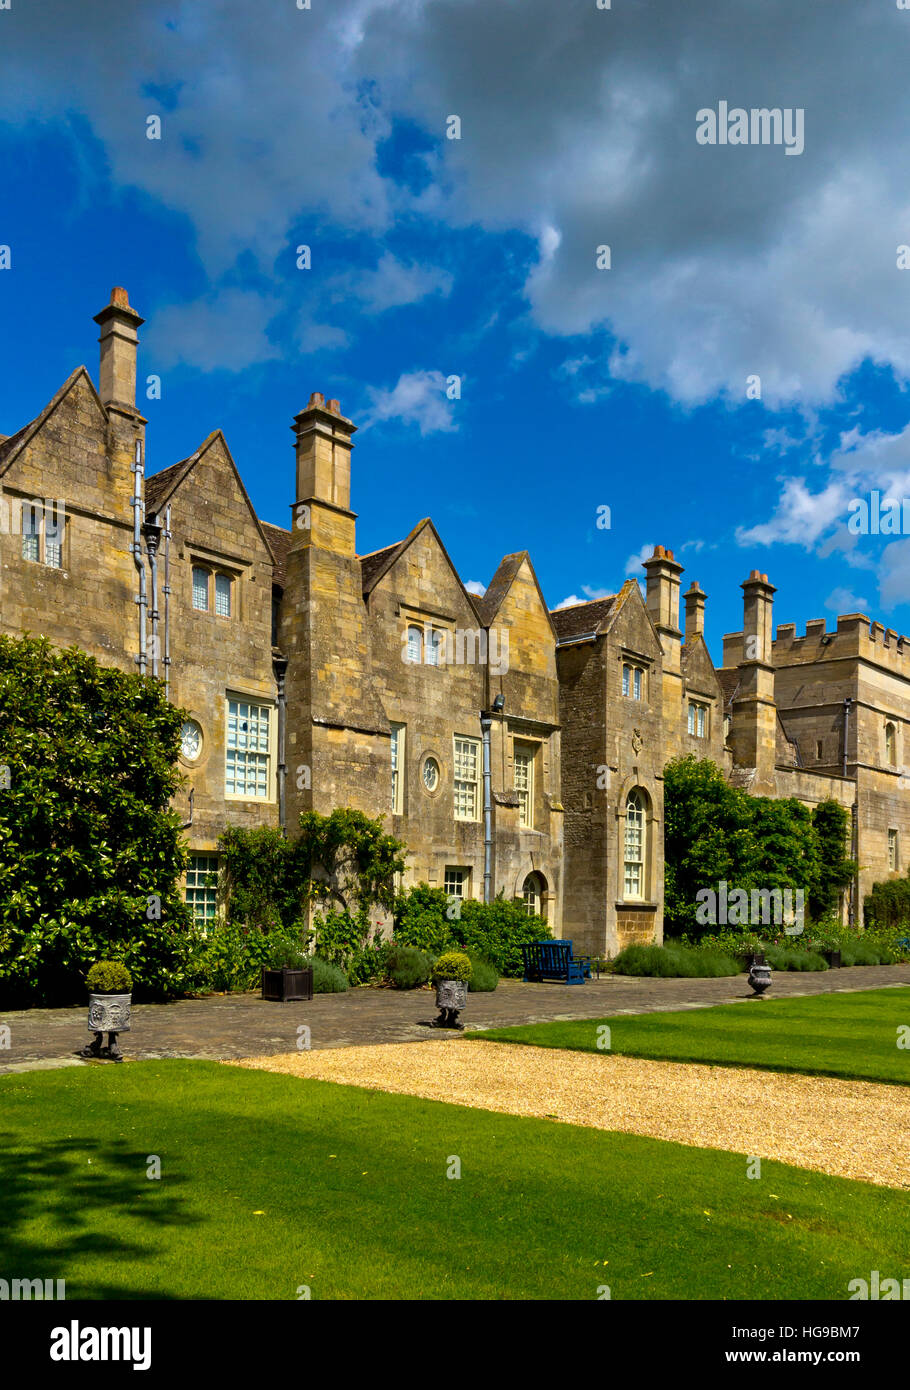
(223, 1027)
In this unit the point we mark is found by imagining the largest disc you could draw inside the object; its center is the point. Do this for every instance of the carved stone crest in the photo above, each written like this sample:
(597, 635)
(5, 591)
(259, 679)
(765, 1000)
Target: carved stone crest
(637, 740)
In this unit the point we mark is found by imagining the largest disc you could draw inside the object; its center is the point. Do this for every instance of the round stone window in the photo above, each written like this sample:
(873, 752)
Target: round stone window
(190, 740)
(431, 774)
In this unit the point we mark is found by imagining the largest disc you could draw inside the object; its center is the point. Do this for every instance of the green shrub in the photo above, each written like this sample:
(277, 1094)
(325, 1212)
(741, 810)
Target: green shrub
(793, 958)
(368, 962)
(109, 977)
(888, 904)
(232, 957)
(495, 931)
(452, 965)
(484, 976)
(286, 954)
(407, 967)
(861, 952)
(327, 978)
(421, 919)
(674, 960)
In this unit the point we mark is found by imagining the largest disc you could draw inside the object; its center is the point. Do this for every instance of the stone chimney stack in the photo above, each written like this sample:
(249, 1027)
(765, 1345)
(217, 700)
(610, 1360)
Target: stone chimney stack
(662, 602)
(323, 443)
(119, 341)
(695, 598)
(753, 731)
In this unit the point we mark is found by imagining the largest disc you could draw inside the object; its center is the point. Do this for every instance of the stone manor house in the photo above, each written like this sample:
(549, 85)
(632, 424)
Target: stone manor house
(315, 677)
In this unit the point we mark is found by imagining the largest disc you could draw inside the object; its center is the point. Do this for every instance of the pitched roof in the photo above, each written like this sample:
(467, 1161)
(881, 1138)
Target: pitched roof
(729, 682)
(9, 443)
(12, 444)
(582, 618)
(160, 486)
(279, 542)
(374, 565)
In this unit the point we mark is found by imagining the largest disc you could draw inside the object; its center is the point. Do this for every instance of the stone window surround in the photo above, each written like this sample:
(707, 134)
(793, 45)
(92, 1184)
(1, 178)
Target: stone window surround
(651, 829)
(213, 568)
(25, 508)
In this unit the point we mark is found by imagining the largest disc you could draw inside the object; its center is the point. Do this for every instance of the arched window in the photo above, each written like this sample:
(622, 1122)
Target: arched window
(634, 845)
(415, 644)
(890, 745)
(532, 891)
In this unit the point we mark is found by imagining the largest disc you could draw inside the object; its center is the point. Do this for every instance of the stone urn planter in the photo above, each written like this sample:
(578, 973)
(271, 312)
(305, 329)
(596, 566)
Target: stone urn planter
(759, 979)
(451, 974)
(109, 1003)
(833, 959)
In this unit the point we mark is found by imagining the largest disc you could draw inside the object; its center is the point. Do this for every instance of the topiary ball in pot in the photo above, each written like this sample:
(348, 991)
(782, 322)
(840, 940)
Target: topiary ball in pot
(450, 975)
(110, 986)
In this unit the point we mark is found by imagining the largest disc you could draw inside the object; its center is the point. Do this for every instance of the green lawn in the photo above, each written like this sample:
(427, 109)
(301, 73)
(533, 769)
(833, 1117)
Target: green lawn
(849, 1035)
(269, 1183)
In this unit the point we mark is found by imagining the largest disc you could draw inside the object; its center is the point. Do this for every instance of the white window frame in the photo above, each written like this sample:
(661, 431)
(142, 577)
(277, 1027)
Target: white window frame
(414, 644)
(456, 880)
(198, 893)
(397, 754)
(635, 837)
(698, 719)
(461, 785)
(249, 709)
(523, 755)
(533, 897)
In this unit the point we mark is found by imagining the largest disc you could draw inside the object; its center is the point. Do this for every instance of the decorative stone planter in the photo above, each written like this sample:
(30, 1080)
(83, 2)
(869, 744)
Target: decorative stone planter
(760, 979)
(287, 985)
(107, 1013)
(451, 998)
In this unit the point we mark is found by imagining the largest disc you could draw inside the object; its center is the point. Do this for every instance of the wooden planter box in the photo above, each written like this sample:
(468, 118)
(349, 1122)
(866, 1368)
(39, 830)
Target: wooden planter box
(285, 986)
(833, 959)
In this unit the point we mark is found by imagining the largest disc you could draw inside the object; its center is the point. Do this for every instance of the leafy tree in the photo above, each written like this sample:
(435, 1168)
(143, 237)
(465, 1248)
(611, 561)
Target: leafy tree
(715, 832)
(90, 853)
(836, 872)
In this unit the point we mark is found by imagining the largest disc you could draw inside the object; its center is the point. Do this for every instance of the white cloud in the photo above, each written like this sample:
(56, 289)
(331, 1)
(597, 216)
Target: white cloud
(224, 331)
(844, 601)
(417, 398)
(727, 261)
(635, 562)
(569, 602)
(474, 586)
(394, 283)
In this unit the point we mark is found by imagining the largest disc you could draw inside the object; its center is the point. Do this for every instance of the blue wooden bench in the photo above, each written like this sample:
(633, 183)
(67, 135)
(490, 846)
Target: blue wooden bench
(553, 960)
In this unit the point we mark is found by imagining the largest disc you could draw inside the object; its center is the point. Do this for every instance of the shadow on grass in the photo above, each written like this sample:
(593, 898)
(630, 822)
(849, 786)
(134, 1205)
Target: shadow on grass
(69, 1198)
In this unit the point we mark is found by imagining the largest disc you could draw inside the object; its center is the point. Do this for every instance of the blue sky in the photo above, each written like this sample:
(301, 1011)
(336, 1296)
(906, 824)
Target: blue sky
(475, 257)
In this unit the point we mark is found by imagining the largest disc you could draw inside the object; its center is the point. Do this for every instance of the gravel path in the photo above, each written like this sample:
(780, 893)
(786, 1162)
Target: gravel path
(853, 1129)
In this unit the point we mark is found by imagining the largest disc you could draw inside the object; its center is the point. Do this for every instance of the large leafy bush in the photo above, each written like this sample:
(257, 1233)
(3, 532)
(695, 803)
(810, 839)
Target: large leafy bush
(717, 833)
(495, 931)
(91, 854)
